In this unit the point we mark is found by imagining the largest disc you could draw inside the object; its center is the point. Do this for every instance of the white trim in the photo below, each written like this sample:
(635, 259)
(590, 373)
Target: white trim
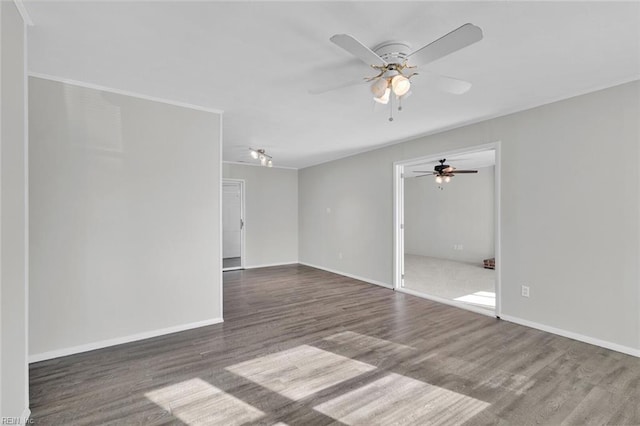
(269, 265)
(575, 336)
(26, 413)
(432, 157)
(355, 277)
(120, 340)
(398, 225)
(126, 93)
(497, 224)
(445, 301)
(26, 212)
(221, 278)
(242, 163)
(23, 12)
(1, 230)
(398, 218)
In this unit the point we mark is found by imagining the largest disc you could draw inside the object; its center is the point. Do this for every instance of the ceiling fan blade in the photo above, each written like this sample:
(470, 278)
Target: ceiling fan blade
(447, 84)
(447, 44)
(357, 49)
(336, 86)
(430, 174)
(455, 172)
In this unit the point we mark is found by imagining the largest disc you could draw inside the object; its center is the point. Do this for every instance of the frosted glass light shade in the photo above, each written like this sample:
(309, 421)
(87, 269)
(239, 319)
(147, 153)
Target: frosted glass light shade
(379, 87)
(384, 99)
(400, 84)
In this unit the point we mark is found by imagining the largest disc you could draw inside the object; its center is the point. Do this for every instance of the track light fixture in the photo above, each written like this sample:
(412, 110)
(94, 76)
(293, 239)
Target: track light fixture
(260, 154)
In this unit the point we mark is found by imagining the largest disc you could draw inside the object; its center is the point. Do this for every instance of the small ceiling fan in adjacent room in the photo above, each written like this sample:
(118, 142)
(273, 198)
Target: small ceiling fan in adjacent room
(443, 172)
(396, 64)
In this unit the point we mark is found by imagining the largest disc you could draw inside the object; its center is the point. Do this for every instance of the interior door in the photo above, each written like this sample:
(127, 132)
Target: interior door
(232, 224)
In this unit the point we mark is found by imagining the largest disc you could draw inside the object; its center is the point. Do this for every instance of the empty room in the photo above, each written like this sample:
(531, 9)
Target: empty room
(319, 213)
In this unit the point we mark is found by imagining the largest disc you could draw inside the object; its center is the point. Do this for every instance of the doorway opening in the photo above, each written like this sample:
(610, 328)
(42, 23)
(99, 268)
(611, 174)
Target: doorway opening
(232, 224)
(447, 228)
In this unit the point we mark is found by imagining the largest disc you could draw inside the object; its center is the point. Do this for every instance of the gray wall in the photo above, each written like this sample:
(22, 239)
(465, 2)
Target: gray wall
(14, 396)
(271, 216)
(125, 216)
(569, 230)
(460, 214)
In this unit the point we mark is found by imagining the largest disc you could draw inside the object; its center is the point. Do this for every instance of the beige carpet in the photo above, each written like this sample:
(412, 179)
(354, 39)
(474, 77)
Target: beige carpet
(459, 281)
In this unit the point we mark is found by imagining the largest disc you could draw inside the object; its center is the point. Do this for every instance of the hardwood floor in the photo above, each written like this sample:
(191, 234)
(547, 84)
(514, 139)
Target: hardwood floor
(301, 346)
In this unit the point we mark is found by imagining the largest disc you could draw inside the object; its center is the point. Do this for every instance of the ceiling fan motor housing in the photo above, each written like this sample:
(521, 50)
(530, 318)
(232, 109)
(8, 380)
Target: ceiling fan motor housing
(393, 52)
(440, 168)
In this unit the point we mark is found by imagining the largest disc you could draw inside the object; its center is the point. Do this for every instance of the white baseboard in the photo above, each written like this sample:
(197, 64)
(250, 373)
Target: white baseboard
(269, 265)
(355, 277)
(120, 340)
(575, 336)
(449, 302)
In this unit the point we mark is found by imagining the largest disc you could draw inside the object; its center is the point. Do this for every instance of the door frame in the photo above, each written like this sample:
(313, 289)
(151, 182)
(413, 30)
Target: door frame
(398, 224)
(242, 227)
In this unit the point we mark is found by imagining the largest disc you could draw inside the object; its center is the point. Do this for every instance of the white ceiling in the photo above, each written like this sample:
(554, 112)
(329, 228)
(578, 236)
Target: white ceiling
(257, 60)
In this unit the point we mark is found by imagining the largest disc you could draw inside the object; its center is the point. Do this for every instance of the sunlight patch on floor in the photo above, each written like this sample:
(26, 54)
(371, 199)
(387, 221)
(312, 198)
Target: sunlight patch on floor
(482, 298)
(196, 402)
(396, 399)
(301, 371)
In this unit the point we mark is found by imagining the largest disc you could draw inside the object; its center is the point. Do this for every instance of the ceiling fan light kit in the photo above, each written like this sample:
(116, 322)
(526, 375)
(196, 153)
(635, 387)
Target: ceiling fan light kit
(392, 60)
(383, 86)
(390, 80)
(260, 154)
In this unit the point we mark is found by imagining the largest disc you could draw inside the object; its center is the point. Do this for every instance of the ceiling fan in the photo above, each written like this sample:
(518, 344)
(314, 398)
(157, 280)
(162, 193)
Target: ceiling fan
(443, 172)
(396, 64)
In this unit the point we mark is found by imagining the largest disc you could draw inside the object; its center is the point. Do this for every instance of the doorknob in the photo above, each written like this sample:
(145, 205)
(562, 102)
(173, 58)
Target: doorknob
(241, 223)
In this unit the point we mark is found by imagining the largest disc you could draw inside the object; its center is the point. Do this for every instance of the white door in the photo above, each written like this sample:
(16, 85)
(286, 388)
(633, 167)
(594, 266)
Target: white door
(232, 223)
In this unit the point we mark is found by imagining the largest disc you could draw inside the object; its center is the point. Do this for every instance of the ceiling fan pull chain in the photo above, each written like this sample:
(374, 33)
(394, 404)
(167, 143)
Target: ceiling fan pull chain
(400, 103)
(391, 108)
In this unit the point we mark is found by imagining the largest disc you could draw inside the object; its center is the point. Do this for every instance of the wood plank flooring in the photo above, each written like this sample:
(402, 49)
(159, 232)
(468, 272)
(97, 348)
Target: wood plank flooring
(300, 346)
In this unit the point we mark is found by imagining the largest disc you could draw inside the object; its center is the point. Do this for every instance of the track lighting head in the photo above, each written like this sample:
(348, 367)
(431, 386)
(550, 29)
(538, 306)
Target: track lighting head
(260, 154)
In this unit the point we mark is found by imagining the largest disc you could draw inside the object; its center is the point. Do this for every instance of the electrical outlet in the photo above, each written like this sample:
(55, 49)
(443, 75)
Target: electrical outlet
(525, 291)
